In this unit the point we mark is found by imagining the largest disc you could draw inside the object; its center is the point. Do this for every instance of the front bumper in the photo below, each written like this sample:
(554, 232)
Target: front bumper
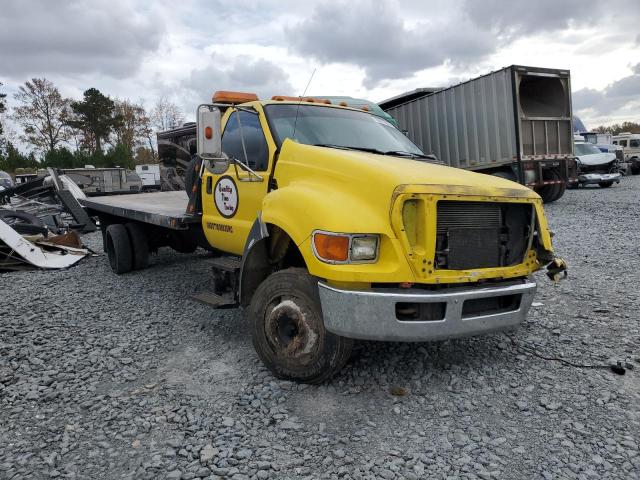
(591, 178)
(372, 314)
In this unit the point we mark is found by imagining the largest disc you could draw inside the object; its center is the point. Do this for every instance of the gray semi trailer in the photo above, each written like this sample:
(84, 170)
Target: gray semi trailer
(514, 123)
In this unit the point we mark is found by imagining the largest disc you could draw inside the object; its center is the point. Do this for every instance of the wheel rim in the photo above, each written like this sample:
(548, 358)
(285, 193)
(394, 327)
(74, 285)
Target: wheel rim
(290, 330)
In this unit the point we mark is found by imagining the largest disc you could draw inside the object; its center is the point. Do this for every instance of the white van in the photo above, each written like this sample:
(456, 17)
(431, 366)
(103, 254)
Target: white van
(630, 143)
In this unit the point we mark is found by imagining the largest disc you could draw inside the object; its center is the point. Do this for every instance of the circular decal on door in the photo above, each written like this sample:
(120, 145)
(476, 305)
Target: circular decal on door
(225, 196)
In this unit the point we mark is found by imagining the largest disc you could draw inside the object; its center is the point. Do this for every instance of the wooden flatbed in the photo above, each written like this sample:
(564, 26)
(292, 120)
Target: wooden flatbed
(164, 209)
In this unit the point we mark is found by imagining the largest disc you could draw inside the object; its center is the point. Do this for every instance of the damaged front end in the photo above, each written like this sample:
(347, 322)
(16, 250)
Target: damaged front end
(493, 237)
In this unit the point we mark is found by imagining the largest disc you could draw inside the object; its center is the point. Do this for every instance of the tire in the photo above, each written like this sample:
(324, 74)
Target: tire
(605, 184)
(24, 223)
(287, 329)
(551, 193)
(507, 175)
(119, 248)
(139, 246)
(635, 166)
(190, 176)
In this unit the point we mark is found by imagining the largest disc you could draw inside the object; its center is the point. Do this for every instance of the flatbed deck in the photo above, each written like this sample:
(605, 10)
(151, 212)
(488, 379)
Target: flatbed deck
(165, 209)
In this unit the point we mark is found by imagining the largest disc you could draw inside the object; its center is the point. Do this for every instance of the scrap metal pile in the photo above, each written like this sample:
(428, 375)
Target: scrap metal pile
(40, 223)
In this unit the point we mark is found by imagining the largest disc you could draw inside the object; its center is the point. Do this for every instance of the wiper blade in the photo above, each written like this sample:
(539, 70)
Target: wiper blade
(349, 147)
(396, 153)
(402, 153)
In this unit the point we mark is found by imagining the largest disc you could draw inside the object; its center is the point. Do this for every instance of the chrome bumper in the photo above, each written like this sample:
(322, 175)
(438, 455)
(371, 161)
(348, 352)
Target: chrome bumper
(589, 178)
(371, 314)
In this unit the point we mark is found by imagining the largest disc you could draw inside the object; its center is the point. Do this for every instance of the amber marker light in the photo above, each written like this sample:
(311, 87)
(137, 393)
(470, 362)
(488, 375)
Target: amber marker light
(208, 133)
(331, 248)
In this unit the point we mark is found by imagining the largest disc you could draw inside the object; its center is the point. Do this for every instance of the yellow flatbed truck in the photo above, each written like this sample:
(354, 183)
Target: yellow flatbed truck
(331, 226)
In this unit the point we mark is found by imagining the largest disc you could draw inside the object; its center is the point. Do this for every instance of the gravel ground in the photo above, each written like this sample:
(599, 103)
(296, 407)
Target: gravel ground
(105, 376)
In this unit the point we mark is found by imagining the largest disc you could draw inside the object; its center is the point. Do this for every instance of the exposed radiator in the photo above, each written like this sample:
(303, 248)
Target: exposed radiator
(481, 234)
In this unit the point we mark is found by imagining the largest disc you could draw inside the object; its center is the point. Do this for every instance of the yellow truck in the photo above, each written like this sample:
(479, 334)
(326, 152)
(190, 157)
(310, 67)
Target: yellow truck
(329, 225)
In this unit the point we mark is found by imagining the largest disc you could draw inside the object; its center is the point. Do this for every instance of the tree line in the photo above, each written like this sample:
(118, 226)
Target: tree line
(617, 128)
(67, 133)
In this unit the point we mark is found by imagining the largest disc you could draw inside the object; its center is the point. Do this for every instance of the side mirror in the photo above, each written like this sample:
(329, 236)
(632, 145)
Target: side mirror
(209, 137)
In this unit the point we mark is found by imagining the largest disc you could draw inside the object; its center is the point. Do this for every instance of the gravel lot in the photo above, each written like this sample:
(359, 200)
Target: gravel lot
(105, 376)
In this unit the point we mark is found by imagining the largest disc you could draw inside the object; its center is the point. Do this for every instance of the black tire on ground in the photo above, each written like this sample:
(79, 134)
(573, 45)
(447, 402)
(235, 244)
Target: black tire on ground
(119, 248)
(139, 245)
(506, 174)
(287, 329)
(635, 167)
(551, 193)
(190, 175)
(605, 184)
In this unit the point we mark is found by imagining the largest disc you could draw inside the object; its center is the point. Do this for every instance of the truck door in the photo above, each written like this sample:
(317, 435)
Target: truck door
(231, 201)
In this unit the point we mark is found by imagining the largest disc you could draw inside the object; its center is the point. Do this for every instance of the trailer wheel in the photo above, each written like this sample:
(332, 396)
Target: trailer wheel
(139, 246)
(287, 329)
(118, 248)
(551, 193)
(605, 184)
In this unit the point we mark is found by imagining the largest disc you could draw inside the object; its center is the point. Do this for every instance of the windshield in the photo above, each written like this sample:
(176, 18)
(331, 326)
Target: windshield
(586, 149)
(337, 127)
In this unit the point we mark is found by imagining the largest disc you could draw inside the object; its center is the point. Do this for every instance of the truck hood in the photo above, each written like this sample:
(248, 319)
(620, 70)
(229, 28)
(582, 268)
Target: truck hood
(597, 159)
(384, 173)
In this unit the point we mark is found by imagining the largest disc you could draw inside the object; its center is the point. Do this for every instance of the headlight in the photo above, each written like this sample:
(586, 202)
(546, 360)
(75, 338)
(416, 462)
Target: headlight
(345, 248)
(364, 248)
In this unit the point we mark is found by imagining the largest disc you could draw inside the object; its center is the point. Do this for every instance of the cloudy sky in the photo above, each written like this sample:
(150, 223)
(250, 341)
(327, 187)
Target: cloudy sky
(373, 49)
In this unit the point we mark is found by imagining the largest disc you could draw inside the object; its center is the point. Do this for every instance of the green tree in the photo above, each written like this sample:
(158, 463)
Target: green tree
(134, 127)
(42, 113)
(59, 158)
(95, 117)
(616, 128)
(13, 159)
(119, 156)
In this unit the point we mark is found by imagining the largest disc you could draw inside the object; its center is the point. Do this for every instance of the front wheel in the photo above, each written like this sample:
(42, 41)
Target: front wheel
(605, 184)
(287, 329)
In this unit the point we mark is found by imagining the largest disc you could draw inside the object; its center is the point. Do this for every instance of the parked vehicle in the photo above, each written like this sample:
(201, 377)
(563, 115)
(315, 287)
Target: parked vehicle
(150, 176)
(514, 123)
(101, 181)
(5, 180)
(176, 148)
(330, 227)
(630, 143)
(595, 166)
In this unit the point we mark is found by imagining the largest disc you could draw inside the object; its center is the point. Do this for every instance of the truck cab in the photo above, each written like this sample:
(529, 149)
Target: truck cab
(328, 225)
(630, 143)
(347, 231)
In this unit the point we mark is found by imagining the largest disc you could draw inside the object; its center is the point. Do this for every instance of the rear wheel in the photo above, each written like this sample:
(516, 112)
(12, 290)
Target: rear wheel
(287, 329)
(551, 193)
(605, 184)
(118, 248)
(139, 246)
